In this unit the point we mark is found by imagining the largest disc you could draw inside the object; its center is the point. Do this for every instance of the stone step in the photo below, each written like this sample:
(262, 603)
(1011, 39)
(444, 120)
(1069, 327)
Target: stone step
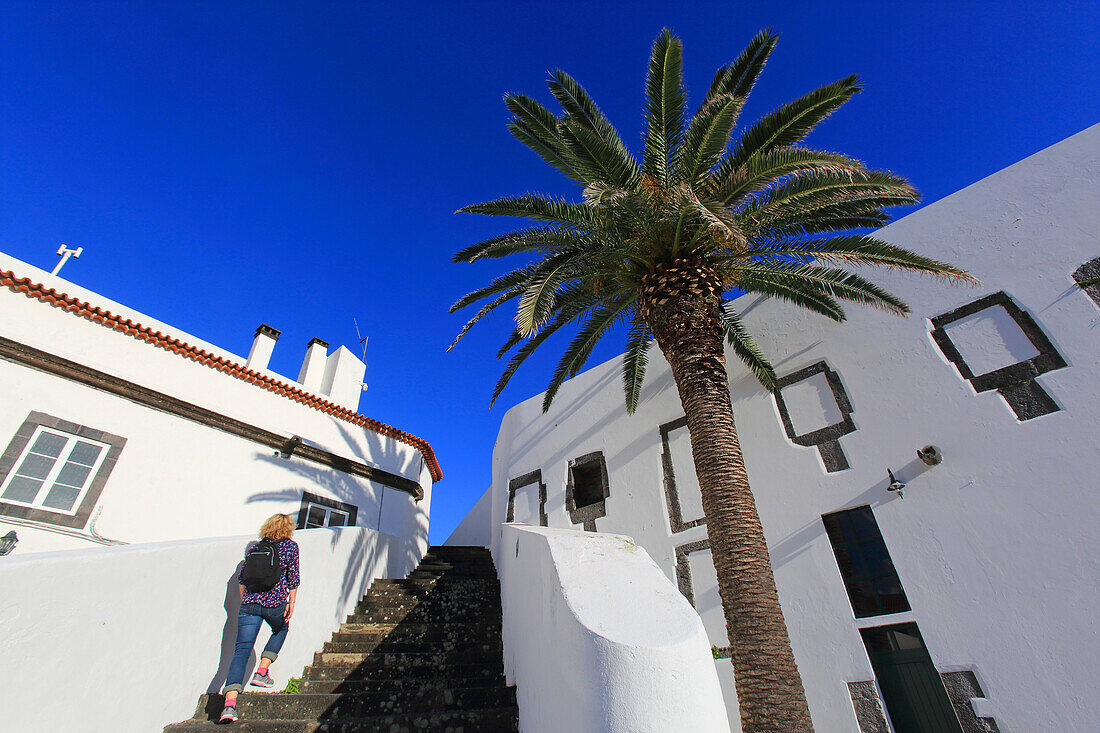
(398, 660)
(392, 686)
(492, 720)
(411, 630)
(479, 671)
(447, 605)
(345, 645)
(312, 706)
(434, 582)
(423, 616)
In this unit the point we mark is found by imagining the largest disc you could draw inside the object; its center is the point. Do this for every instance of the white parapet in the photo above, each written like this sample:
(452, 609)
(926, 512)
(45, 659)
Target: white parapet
(597, 639)
(151, 627)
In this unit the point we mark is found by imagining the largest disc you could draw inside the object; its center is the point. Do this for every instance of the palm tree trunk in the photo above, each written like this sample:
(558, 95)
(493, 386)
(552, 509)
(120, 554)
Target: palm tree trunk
(769, 690)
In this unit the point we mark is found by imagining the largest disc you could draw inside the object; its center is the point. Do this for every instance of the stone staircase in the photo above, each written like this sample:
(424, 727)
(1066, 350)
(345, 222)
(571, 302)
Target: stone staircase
(420, 654)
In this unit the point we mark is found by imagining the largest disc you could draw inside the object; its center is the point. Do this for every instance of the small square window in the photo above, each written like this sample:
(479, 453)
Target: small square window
(586, 490)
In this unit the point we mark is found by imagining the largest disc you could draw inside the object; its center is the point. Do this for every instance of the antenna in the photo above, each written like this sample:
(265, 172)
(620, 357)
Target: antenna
(362, 339)
(65, 253)
(363, 343)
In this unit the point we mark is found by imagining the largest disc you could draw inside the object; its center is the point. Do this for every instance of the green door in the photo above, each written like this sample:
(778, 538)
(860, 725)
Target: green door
(911, 687)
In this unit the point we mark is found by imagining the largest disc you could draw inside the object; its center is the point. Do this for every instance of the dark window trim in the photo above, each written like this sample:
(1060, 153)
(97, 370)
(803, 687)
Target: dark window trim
(526, 480)
(686, 585)
(95, 488)
(587, 515)
(29, 356)
(1087, 277)
(308, 498)
(841, 545)
(826, 439)
(672, 492)
(1015, 382)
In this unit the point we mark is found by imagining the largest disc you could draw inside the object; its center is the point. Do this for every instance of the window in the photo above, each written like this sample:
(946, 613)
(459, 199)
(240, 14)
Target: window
(865, 565)
(318, 511)
(54, 471)
(586, 490)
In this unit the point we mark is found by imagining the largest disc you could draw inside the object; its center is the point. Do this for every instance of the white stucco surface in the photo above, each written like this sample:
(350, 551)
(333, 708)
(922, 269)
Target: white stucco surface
(176, 478)
(997, 548)
(474, 528)
(127, 638)
(596, 639)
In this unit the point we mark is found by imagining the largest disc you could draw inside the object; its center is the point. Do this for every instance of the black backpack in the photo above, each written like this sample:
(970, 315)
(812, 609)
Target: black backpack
(262, 567)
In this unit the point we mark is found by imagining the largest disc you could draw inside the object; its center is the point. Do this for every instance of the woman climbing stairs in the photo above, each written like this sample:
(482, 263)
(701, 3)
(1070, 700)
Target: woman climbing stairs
(419, 654)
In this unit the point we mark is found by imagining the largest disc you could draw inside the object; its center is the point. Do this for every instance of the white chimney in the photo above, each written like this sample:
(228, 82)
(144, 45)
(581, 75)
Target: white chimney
(343, 380)
(262, 346)
(312, 372)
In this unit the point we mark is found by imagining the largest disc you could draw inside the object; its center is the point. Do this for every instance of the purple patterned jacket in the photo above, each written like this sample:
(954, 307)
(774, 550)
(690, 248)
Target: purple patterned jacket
(277, 596)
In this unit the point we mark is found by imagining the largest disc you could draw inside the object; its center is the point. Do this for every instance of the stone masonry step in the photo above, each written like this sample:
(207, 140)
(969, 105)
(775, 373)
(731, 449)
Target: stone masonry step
(402, 660)
(313, 706)
(343, 645)
(484, 671)
(408, 630)
(498, 720)
(391, 686)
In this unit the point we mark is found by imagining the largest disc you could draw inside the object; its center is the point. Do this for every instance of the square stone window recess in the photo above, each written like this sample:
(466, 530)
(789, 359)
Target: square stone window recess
(682, 496)
(996, 345)
(815, 410)
(586, 490)
(527, 499)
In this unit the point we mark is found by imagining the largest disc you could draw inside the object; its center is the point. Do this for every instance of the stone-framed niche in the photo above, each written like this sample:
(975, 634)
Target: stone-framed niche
(1087, 277)
(701, 584)
(587, 490)
(815, 411)
(529, 488)
(682, 496)
(996, 345)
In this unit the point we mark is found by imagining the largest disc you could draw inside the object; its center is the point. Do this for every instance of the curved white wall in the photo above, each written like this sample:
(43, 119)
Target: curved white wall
(598, 640)
(127, 638)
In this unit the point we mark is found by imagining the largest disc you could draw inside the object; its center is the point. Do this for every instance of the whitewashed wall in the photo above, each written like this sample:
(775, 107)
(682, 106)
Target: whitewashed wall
(176, 478)
(597, 640)
(997, 548)
(146, 629)
(474, 529)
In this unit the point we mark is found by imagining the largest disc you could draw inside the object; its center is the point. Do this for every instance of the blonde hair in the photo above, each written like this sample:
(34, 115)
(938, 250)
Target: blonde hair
(277, 527)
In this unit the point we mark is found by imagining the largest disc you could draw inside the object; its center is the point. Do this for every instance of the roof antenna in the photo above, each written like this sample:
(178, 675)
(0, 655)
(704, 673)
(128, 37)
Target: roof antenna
(363, 343)
(65, 253)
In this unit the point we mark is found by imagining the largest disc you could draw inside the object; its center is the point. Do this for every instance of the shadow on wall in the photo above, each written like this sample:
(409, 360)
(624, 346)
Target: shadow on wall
(229, 631)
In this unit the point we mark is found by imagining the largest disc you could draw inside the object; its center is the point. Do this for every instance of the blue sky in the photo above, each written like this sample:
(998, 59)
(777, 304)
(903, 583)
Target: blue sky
(227, 164)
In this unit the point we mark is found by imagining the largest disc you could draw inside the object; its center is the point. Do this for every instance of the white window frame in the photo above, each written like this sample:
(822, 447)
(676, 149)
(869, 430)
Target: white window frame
(59, 463)
(329, 511)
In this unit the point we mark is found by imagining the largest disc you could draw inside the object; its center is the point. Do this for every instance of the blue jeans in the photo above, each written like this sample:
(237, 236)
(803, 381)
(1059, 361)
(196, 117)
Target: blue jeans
(249, 620)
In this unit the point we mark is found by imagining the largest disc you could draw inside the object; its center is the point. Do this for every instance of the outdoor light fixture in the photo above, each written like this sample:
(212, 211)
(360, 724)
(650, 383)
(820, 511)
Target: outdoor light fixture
(7, 543)
(895, 485)
(931, 455)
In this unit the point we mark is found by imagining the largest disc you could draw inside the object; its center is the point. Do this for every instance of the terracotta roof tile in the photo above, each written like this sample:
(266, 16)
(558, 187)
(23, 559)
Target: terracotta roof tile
(97, 315)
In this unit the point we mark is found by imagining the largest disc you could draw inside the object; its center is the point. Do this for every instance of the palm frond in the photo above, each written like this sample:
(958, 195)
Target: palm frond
(580, 348)
(791, 122)
(634, 363)
(537, 128)
(831, 281)
(745, 347)
(540, 295)
(486, 310)
(664, 115)
(708, 134)
(582, 110)
(568, 310)
(538, 239)
(508, 280)
(730, 184)
(776, 285)
(598, 160)
(857, 249)
(539, 208)
(739, 77)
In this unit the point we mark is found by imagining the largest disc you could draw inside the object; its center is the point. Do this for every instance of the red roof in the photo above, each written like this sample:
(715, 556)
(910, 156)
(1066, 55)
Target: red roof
(143, 333)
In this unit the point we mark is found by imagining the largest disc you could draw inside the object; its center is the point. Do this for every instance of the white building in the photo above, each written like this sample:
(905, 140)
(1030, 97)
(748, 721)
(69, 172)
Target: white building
(117, 428)
(983, 570)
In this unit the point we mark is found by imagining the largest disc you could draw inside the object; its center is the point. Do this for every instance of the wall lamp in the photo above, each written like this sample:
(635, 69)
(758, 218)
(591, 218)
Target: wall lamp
(7, 543)
(929, 455)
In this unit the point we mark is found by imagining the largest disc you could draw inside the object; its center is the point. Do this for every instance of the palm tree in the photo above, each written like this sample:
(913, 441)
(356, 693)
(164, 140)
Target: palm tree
(655, 247)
